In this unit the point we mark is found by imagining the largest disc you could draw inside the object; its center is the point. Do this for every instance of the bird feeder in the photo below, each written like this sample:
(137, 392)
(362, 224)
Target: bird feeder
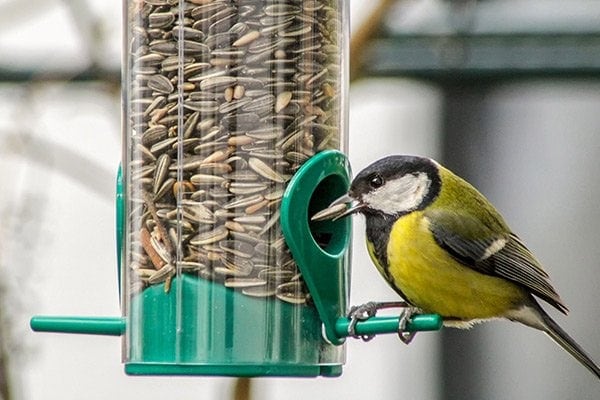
(234, 135)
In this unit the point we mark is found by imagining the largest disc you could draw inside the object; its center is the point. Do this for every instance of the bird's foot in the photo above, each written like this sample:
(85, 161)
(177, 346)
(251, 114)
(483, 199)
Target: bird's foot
(366, 311)
(405, 336)
(361, 313)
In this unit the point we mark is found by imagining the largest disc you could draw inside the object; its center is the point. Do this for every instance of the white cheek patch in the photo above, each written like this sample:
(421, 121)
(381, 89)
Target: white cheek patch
(399, 195)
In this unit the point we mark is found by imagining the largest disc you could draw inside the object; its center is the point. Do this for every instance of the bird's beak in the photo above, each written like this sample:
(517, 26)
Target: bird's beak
(338, 209)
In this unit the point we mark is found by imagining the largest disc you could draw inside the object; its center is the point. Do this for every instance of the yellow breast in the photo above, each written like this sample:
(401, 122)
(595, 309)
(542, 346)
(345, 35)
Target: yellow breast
(435, 282)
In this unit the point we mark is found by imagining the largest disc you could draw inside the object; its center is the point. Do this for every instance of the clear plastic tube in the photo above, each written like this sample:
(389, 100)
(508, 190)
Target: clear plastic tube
(224, 100)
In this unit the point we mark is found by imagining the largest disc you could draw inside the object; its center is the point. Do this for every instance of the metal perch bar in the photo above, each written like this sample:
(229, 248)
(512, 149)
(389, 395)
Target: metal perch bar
(385, 324)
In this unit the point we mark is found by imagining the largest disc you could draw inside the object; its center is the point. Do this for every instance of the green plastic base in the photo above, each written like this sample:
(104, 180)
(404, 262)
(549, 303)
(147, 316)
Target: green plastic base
(203, 328)
(234, 370)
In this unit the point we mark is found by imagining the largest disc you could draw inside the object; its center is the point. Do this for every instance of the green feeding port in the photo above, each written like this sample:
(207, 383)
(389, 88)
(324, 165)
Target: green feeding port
(320, 248)
(331, 236)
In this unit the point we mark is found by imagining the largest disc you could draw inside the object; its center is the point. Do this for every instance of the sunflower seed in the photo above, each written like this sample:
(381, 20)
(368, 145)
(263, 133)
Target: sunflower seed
(162, 145)
(154, 134)
(201, 106)
(212, 236)
(163, 47)
(291, 292)
(165, 188)
(259, 291)
(218, 168)
(161, 171)
(188, 33)
(161, 275)
(250, 219)
(246, 39)
(245, 188)
(276, 276)
(160, 249)
(244, 282)
(261, 168)
(217, 83)
(243, 202)
(329, 213)
(190, 266)
(237, 248)
(206, 180)
(198, 212)
(230, 107)
(283, 99)
(238, 92)
(234, 267)
(161, 19)
(281, 10)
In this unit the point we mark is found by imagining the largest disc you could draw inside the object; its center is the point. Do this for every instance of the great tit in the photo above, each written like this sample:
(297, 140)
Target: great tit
(445, 249)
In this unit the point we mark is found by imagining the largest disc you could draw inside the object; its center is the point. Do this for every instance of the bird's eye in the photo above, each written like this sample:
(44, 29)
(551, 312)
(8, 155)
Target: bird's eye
(376, 181)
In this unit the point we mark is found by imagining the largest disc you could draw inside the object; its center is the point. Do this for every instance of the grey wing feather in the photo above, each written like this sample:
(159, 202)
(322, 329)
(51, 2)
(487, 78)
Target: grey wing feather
(502, 255)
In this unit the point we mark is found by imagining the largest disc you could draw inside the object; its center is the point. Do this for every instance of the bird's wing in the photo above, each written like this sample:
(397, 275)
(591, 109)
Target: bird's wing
(499, 254)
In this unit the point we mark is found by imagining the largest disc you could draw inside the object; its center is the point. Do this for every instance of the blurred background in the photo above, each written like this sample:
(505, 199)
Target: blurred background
(506, 93)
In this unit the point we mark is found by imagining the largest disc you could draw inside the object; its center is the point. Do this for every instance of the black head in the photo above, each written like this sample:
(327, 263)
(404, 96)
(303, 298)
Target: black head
(396, 185)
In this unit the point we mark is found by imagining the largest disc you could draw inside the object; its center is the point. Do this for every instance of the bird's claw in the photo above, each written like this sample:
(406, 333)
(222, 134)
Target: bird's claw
(361, 313)
(405, 316)
(368, 310)
(364, 311)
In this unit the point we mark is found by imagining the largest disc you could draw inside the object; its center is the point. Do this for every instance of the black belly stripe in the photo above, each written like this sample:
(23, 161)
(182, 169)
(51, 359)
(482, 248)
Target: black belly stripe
(378, 233)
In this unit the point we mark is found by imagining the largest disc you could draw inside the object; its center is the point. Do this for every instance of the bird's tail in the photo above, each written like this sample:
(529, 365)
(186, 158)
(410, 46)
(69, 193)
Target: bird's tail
(567, 342)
